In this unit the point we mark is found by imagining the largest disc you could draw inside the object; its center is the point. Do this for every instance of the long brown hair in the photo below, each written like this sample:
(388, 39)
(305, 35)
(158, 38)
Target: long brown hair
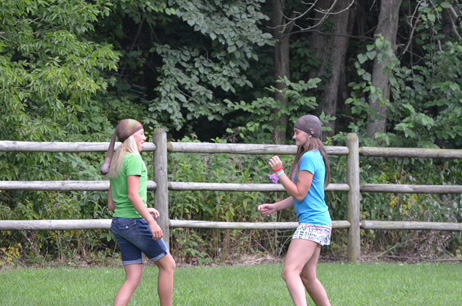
(313, 143)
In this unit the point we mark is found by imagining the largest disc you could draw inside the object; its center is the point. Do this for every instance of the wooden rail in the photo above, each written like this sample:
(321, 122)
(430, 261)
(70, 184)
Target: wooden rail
(160, 148)
(70, 147)
(48, 225)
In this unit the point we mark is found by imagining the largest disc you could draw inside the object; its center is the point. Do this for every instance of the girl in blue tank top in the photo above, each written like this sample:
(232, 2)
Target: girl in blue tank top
(305, 183)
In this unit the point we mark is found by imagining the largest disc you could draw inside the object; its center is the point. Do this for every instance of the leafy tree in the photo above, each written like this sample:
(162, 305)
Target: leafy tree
(388, 28)
(182, 58)
(198, 71)
(49, 69)
(259, 115)
(50, 72)
(424, 104)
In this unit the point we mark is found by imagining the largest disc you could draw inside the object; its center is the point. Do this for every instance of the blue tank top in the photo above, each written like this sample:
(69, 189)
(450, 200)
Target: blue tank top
(313, 209)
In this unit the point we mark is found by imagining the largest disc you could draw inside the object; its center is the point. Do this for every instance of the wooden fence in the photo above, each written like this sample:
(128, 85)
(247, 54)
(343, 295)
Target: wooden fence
(160, 148)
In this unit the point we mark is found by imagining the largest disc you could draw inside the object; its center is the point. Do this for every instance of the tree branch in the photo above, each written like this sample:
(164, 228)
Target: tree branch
(454, 27)
(413, 28)
(334, 35)
(330, 11)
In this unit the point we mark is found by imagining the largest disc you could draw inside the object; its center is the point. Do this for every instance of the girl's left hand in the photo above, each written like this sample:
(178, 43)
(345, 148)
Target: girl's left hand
(154, 212)
(275, 162)
(266, 209)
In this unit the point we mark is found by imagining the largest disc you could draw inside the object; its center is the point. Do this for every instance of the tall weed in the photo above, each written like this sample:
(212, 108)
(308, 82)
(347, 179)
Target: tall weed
(222, 245)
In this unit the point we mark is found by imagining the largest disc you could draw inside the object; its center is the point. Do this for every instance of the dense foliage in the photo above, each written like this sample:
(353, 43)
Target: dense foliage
(204, 71)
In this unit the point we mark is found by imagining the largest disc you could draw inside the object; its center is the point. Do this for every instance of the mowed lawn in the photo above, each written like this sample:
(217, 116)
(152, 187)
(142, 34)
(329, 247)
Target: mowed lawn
(346, 284)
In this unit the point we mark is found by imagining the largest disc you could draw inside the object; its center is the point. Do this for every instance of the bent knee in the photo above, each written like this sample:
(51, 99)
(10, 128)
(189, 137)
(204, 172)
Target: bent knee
(286, 273)
(172, 265)
(167, 263)
(308, 279)
(134, 279)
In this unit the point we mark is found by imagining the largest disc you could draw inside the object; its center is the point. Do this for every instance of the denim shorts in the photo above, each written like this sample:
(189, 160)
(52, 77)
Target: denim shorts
(134, 238)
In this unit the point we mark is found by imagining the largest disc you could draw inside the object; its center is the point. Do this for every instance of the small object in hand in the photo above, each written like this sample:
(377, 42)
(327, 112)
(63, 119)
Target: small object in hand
(273, 177)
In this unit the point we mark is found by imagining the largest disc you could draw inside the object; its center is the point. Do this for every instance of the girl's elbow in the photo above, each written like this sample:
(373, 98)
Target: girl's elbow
(299, 198)
(132, 196)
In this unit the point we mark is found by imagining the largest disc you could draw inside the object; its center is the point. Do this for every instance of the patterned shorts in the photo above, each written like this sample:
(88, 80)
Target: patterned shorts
(316, 233)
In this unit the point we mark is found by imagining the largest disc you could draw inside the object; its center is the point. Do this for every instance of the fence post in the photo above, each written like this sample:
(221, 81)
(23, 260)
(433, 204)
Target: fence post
(354, 197)
(161, 179)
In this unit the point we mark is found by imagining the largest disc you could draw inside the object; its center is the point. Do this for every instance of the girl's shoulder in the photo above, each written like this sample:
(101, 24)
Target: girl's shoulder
(130, 157)
(313, 156)
(311, 153)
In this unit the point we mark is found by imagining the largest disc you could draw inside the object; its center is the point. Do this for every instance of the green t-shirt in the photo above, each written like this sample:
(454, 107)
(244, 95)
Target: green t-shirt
(132, 164)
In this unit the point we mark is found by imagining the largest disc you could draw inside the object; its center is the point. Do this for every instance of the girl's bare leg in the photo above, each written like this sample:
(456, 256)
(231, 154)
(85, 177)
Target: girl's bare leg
(312, 284)
(133, 276)
(299, 253)
(299, 272)
(166, 267)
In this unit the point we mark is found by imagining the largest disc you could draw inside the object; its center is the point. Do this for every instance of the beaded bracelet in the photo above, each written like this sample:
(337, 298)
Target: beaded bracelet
(278, 175)
(276, 170)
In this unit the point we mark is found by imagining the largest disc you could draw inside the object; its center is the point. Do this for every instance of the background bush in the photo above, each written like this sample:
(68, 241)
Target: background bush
(206, 246)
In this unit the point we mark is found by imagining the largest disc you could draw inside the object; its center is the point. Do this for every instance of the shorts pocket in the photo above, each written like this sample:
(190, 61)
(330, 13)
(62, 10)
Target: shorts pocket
(127, 229)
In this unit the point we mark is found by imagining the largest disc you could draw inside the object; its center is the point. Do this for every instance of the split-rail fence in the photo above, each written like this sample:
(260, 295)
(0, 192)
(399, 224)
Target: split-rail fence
(160, 148)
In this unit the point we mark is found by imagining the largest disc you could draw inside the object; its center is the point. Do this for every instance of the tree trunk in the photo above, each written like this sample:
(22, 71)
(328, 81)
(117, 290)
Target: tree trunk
(388, 28)
(331, 48)
(282, 65)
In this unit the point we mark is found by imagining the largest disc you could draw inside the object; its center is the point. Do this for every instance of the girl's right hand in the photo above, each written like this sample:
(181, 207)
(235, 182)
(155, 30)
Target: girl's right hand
(156, 230)
(267, 209)
(275, 162)
(154, 212)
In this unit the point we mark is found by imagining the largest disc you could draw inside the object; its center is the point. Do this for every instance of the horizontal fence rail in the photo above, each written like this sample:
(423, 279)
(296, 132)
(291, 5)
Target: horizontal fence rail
(105, 224)
(232, 148)
(191, 186)
(160, 148)
(410, 152)
(396, 188)
(55, 225)
(69, 147)
(411, 225)
(62, 185)
(184, 186)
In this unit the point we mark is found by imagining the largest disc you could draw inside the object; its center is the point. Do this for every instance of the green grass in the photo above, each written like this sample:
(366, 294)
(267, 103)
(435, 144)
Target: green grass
(362, 284)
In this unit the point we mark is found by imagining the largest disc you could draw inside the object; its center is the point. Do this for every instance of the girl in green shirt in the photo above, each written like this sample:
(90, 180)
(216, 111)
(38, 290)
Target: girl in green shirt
(133, 224)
